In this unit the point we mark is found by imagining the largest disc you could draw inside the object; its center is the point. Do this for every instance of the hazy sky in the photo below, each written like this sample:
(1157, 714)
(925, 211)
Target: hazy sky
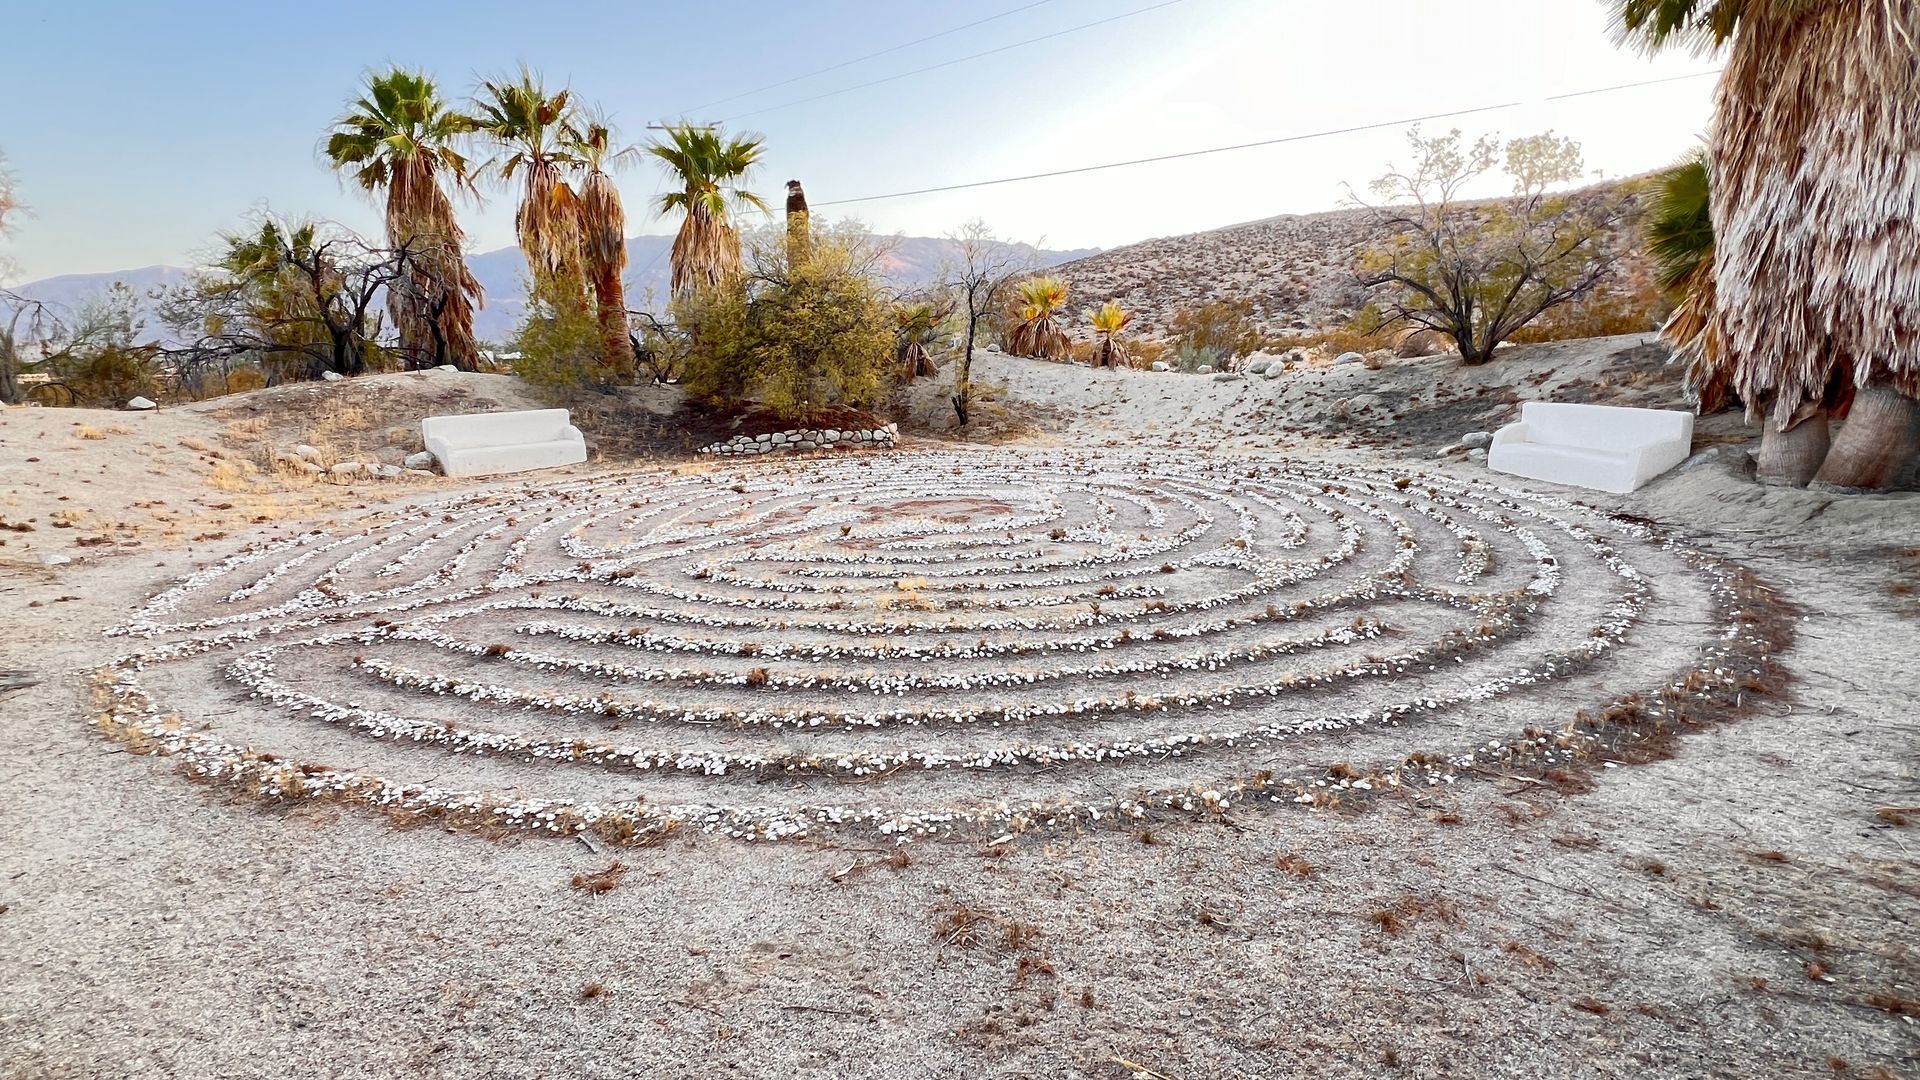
(136, 130)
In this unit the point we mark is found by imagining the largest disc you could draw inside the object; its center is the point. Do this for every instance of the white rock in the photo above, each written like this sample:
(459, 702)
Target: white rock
(1349, 358)
(1275, 370)
(306, 453)
(446, 367)
(1204, 369)
(54, 558)
(1477, 440)
(142, 404)
(1259, 366)
(347, 468)
(386, 472)
(419, 462)
(1476, 455)
(331, 376)
(419, 472)
(1161, 365)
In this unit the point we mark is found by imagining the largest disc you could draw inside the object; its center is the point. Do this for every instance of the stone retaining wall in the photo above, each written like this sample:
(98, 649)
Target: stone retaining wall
(880, 438)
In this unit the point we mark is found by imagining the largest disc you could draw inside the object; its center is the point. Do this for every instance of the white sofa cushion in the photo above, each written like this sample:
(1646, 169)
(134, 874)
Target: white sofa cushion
(1596, 446)
(485, 444)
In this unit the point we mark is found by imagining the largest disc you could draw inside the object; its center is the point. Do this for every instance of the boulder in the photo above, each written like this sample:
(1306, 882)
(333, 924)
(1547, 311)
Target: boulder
(1259, 366)
(347, 468)
(142, 404)
(1228, 376)
(1476, 455)
(1162, 365)
(446, 367)
(1275, 370)
(1204, 369)
(1477, 440)
(418, 462)
(331, 376)
(386, 472)
(306, 453)
(1349, 358)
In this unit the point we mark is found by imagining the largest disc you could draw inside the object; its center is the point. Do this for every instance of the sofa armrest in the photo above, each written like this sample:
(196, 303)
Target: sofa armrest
(572, 433)
(1512, 433)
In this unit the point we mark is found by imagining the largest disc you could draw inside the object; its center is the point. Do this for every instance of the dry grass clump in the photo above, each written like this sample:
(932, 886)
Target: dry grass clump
(601, 881)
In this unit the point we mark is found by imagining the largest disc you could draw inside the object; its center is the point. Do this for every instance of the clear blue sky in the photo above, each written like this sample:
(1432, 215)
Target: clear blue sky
(137, 130)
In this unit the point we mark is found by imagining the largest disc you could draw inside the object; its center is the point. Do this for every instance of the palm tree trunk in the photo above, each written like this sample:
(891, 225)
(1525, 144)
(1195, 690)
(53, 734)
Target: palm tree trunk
(1790, 458)
(1876, 443)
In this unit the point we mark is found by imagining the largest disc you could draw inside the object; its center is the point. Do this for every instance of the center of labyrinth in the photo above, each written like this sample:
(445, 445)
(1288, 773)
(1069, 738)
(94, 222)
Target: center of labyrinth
(978, 642)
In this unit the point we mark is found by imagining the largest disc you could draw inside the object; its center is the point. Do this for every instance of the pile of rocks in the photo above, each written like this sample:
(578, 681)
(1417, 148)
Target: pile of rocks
(880, 438)
(309, 460)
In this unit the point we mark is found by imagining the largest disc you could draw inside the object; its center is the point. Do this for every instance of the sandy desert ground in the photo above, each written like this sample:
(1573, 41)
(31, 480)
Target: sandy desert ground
(1545, 878)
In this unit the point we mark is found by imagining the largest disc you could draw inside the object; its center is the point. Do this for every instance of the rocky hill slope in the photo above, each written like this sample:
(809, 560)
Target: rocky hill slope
(1296, 270)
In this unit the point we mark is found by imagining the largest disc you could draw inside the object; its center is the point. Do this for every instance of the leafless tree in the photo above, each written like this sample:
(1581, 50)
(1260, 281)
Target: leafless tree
(979, 277)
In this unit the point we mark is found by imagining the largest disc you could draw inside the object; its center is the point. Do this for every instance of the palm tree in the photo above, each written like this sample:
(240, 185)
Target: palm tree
(603, 236)
(401, 137)
(919, 328)
(1679, 236)
(1814, 158)
(1108, 320)
(709, 171)
(1038, 335)
(530, 127)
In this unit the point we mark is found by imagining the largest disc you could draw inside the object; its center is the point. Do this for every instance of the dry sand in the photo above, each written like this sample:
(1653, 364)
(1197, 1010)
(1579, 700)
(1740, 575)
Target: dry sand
(1737, 910)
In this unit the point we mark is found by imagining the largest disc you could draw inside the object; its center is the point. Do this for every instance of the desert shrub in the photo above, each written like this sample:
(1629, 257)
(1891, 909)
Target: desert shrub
(795, 334)
(1354, 337)
(1189, 357)
(1222, 328)
(559, 347)
(1082, 352)
(1639, 310)
(1146, 350)
(1479, 272)
(110, 376)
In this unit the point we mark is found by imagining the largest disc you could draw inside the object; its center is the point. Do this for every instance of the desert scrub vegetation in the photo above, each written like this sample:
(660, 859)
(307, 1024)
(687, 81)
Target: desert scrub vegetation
(1479, 272)
(793, 334)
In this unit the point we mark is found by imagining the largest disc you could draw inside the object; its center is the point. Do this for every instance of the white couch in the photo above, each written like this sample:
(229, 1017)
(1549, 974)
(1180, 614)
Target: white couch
(481, 444)
(1593, 446)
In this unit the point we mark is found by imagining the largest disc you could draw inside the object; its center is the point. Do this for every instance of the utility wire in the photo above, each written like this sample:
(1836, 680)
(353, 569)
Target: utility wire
(870, 56)
(958, 60)
(1251, 145)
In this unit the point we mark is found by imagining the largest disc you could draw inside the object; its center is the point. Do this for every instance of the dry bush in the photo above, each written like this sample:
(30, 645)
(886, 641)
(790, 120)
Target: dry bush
(1639, 310)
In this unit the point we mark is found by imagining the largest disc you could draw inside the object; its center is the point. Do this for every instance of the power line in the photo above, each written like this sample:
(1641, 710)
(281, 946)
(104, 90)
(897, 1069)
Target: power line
(958, 60)
(870, 56)
(1251, 145)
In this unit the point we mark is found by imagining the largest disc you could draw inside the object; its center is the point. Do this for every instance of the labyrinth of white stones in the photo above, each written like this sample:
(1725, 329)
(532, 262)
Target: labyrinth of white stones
(968, 643)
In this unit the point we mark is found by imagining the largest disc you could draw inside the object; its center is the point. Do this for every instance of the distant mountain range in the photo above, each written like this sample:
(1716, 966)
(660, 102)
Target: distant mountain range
(912, 261)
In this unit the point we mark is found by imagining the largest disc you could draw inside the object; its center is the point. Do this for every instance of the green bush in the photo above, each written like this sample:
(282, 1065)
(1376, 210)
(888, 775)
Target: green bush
(559, 347)
(794, 334)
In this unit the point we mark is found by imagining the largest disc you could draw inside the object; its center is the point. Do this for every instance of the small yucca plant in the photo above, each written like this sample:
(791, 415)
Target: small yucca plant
(1038, 335)
(1108, 320)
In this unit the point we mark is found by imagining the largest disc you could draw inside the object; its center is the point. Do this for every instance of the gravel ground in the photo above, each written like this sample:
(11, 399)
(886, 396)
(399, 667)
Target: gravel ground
(1741, 908)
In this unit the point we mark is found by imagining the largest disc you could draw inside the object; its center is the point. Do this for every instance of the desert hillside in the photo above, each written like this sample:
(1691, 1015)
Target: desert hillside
(1297, 270)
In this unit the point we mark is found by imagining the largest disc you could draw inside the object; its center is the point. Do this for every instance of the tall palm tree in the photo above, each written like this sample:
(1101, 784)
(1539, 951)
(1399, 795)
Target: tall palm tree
(1108, 320)
(708, 170)
(603, 235)
(1814, 157)
(530, 128)
(1038, 335)
(400, 137)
